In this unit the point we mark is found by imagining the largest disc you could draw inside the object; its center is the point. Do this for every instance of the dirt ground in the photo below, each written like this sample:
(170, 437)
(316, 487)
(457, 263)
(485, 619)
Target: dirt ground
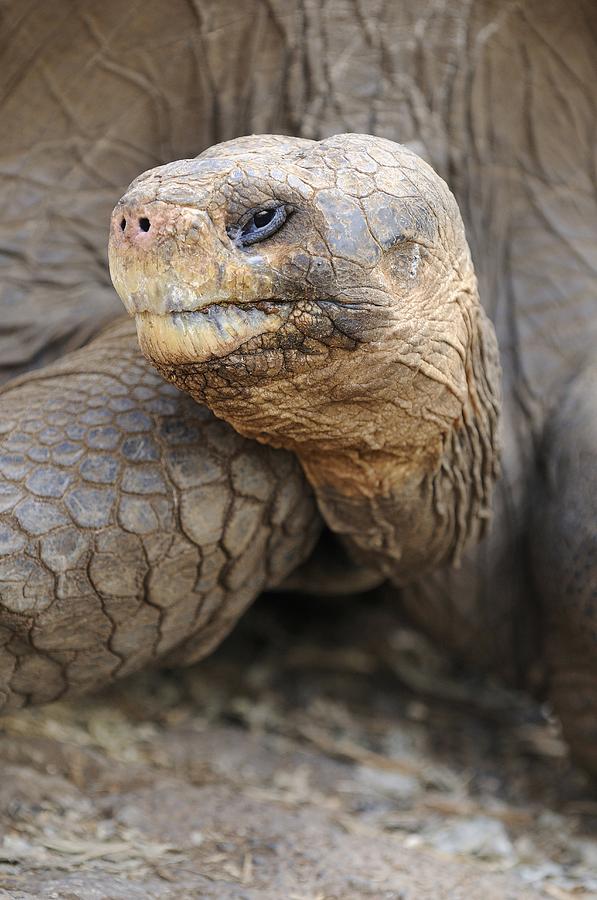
(325, 752)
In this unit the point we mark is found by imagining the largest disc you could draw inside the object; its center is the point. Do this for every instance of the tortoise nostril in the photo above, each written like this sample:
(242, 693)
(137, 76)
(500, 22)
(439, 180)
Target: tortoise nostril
(144, 224)
(123, 224)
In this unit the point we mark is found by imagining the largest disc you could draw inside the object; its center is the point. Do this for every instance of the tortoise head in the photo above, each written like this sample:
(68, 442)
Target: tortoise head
(304, 289)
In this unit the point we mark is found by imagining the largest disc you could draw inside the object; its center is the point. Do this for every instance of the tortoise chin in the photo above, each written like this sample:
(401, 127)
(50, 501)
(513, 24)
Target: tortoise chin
(262, 339)
(199, 336)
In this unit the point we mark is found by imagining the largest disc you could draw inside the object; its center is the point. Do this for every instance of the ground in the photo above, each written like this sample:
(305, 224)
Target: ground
(325, 752)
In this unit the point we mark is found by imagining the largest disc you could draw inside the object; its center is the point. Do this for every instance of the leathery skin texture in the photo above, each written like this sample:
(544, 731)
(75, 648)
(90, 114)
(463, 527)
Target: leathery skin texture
(498, 97)
(352, 334)
(134, 526)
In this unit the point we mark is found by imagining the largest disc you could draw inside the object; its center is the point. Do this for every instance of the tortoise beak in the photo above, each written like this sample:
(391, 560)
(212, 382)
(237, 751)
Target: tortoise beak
(189, 288)
(166, 259)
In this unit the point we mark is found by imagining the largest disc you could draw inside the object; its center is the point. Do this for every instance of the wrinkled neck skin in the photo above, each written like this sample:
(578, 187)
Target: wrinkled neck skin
(405, 473)
(410, 508)
(427, 515)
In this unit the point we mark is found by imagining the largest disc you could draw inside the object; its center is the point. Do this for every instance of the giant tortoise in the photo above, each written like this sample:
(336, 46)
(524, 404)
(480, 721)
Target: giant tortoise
(316, 296)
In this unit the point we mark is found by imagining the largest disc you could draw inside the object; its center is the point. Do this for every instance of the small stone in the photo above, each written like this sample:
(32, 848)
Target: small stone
(483, 837)
(396, 785)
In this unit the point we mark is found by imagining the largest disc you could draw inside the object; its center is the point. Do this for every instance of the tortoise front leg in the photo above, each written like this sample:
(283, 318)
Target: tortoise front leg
(134, 525)
(565, 562)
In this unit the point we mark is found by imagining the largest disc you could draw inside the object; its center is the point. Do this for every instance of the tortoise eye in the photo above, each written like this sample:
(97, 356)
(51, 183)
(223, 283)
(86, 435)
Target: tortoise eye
(262, 218)
(260, 225)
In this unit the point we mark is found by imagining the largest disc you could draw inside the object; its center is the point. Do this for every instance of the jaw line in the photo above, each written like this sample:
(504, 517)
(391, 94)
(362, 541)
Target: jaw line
(203, 335)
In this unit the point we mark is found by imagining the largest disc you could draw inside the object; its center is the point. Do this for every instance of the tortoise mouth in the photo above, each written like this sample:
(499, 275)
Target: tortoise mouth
(214, 331)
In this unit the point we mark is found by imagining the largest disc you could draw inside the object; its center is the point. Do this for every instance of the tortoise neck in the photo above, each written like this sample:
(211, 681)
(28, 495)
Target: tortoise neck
(409, 516)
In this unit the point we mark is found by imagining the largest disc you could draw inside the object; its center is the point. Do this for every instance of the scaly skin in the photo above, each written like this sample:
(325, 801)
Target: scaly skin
(134, 526)
(352, 336)
(499, 97)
